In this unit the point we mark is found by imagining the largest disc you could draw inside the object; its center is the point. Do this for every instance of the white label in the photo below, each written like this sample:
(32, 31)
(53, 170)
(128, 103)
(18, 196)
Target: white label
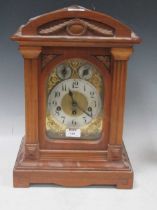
(71, 132)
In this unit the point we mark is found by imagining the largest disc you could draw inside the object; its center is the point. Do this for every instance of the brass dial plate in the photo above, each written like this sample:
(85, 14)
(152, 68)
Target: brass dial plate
(74, 100)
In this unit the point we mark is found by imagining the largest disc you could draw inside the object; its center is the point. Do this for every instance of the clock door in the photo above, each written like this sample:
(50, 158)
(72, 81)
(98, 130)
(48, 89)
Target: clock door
(74, 109)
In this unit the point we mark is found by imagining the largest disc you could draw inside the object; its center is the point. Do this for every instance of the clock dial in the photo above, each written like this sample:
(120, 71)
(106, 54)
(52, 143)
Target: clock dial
(75, 103)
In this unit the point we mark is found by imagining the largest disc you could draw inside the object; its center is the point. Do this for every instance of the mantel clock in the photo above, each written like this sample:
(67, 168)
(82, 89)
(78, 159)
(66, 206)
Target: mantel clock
(75, 65)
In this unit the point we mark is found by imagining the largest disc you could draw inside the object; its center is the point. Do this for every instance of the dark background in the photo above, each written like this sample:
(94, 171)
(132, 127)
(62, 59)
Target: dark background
(141, 99)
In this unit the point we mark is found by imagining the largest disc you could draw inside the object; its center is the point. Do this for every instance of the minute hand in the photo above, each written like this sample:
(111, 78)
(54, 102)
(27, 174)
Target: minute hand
(71, 95)
(76, 104)
(80, 108)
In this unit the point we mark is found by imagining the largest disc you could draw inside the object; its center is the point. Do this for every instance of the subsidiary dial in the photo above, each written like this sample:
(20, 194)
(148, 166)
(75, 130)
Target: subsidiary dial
(63, 71)
(85, 71)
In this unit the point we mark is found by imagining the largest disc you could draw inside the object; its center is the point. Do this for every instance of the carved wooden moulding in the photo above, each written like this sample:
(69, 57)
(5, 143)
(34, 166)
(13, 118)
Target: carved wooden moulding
(76, 23)
(75, 64)
(75, 27)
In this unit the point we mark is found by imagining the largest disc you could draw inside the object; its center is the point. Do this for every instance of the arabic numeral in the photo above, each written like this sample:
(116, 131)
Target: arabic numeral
(75, 84)
(63, 119)
(92, 94)
(54, 103)
(57, 112)
(57, 94)
(74, 122)
(58, 109)
(85, 120)
(64, 88)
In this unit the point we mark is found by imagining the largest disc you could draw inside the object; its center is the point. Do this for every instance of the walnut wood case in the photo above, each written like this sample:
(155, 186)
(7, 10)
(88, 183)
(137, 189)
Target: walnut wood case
(45, 41)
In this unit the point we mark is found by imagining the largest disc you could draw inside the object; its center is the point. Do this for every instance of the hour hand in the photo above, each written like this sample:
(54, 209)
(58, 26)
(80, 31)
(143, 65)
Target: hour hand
(70, 93)
(74, 103)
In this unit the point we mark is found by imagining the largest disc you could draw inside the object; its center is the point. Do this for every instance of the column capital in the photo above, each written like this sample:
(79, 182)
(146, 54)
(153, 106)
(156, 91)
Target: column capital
(30, 52)
(121, 53)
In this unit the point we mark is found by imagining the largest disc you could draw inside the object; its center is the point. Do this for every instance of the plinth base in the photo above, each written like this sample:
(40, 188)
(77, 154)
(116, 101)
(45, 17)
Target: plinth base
(72, 173)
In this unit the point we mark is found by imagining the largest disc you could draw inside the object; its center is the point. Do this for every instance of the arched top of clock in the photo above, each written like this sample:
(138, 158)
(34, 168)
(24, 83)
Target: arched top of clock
(75, 24)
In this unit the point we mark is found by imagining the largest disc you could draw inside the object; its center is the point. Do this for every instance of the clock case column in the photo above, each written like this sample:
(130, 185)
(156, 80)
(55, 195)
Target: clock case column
(120, 58)
(30, 142)
(31, 57)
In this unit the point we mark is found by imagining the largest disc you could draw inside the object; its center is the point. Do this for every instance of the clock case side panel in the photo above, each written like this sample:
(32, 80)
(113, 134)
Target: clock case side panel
(62, 54)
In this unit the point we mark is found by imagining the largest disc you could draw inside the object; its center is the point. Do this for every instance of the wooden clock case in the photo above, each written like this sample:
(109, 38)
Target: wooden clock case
(45, 41)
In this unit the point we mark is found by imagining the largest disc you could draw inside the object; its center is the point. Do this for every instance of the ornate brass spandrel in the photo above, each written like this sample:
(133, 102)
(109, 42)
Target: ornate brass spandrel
(74, 63)
(93, 130)
(52, 81)
(96, 80)
(53, 127)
